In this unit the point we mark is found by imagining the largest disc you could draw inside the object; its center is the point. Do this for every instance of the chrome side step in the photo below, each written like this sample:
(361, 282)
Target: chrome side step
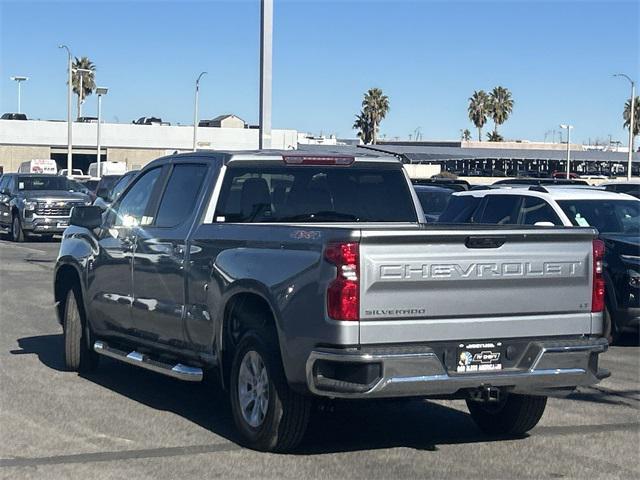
(179, 371)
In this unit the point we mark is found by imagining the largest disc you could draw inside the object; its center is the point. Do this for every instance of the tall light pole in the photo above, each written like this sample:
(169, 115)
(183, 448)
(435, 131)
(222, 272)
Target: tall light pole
(568, 127)
(631, 121)
(19, 80)
(266, 42)
(195, 112)
(69, 121)
(100, 91)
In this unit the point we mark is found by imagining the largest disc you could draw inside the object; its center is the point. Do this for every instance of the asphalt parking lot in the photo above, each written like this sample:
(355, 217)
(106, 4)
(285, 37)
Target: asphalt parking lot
(123, 422)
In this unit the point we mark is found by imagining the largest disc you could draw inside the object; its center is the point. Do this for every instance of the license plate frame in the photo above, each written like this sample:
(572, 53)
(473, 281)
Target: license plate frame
(480, 357)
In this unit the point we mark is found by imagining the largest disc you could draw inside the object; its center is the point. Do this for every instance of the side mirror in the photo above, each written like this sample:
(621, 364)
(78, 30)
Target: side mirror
(103, 193)
(89, 217)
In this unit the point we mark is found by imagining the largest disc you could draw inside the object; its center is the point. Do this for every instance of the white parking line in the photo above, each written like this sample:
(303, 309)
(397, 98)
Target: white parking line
(20, 247)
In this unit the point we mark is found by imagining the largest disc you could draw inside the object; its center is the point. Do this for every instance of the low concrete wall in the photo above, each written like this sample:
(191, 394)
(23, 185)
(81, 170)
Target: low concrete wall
(490, 180)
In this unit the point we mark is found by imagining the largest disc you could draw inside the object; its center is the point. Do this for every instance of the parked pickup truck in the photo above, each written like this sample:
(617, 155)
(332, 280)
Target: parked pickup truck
(37, 203)
(294, 277)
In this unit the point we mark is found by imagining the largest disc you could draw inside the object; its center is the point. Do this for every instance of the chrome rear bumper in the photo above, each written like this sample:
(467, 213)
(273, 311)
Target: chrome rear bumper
(404, 373)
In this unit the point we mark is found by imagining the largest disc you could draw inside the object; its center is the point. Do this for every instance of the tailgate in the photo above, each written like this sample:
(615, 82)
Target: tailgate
(455, 284)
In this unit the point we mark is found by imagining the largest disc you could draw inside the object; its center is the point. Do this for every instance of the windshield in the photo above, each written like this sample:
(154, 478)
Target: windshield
(315, 194)
(608, 216)
(44, 182)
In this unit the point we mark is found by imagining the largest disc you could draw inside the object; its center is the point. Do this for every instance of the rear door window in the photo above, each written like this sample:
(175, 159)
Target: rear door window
(534, 210)
(460, 209)
(501, 209)
(180, 195)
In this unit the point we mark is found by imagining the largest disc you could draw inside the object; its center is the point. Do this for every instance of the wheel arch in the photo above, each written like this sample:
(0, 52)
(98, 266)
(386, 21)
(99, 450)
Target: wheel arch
(244, 299)
(67, 276)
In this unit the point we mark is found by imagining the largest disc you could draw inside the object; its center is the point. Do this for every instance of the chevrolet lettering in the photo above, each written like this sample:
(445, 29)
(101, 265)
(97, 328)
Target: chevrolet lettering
(436, 271)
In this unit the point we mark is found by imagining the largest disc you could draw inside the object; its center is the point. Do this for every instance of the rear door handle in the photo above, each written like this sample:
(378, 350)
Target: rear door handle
(484, 242)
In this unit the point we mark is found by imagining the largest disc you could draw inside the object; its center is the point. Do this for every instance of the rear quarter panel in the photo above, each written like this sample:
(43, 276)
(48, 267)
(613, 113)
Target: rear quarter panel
(282, 264)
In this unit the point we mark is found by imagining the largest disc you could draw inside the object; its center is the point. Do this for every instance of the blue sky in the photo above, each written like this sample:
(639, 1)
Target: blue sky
(556, 57)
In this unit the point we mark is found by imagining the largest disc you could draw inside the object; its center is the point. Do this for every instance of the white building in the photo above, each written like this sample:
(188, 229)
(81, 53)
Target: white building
(134, 144)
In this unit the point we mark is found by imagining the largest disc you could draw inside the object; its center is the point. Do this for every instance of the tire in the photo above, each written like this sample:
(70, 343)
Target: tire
(17, 234)
(286, 414)
(515, 415)
(78, 357)
(610, 329)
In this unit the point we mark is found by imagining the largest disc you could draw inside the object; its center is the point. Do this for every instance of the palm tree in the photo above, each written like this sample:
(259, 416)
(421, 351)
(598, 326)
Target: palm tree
(375, 106)
(636, 115)
(84, 78)
(500, 106)
(494, 137)
(466, 135)
(478, 103)
(364, 127)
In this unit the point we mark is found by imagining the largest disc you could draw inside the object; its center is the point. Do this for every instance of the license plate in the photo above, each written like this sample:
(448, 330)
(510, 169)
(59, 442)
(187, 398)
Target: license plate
(479, 357)
(63, 224)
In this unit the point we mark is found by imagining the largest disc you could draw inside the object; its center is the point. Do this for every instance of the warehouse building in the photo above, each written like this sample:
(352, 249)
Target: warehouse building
(136, 145)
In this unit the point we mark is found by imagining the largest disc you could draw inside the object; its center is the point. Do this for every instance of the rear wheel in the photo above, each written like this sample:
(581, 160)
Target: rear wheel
(513, 415)
(267, 413)
(78, 356)
(17, 234)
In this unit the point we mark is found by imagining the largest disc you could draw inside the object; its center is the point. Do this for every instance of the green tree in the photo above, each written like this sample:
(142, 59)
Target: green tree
(364, 127)
(466, 135)
(478, 110)
(494, 137)
(636, 115)
(375, 107)
(500, 106)
(88, 80)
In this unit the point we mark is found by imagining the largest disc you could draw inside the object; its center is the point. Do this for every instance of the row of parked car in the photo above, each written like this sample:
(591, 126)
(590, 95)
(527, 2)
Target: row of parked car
(41, 204)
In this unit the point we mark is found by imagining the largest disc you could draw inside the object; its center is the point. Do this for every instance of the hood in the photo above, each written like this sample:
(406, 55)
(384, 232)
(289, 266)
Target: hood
(627, 242)
(53, 195)
(627, 247)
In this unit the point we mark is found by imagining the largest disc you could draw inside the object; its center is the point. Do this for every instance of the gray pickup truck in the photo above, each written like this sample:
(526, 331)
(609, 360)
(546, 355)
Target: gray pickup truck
(293, 277)
(37, 203)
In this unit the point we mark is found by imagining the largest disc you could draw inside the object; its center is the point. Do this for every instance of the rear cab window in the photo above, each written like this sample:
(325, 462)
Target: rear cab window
(281, 193)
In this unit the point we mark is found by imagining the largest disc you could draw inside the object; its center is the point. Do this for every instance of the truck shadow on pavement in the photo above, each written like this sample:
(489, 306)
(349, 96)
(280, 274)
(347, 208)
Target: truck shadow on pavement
(340, 426)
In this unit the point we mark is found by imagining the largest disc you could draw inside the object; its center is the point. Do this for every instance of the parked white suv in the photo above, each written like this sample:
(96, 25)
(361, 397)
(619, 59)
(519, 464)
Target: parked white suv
(615, 215)
(545, 206)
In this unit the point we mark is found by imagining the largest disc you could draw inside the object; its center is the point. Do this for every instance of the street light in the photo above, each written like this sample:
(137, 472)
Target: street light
(631, 119)
(568, 127)
(266, 44)
(195, 112)
(82, 71)
(100, 91)
(19, 80)
(69, 122)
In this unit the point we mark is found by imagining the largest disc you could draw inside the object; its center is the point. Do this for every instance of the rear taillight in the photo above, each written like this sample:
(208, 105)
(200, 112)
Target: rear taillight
(343, 294)
(597, 296)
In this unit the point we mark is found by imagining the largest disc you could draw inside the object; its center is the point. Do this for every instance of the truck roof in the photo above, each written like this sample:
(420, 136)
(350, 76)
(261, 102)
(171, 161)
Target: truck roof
(227, 156)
